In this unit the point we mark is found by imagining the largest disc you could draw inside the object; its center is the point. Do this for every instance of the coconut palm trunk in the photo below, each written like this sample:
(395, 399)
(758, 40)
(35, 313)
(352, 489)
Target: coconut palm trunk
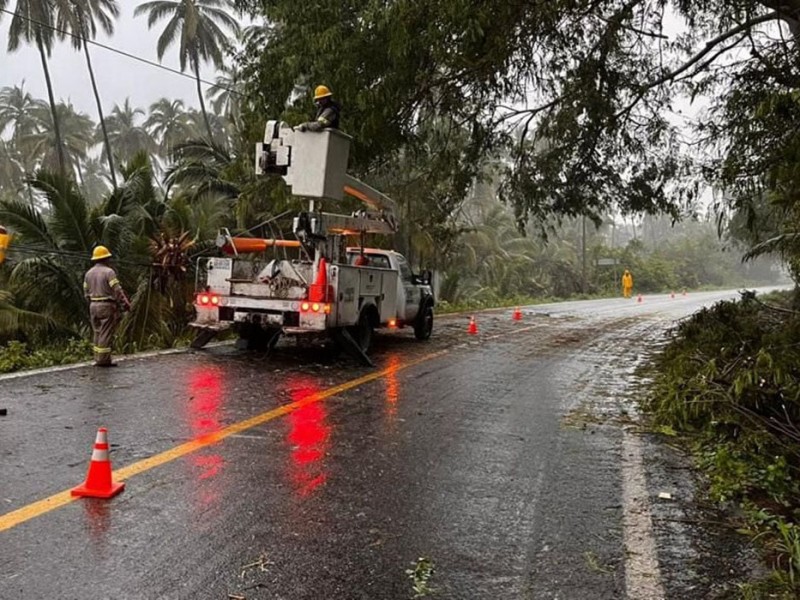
(100, 114)
(202, 102)
(62, 164)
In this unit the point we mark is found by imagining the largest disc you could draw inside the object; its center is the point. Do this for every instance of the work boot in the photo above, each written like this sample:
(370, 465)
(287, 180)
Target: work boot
(105, 364)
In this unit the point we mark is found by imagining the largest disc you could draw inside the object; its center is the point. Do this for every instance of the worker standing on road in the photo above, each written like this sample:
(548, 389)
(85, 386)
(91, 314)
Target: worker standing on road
(104, 293)
(627, 284)
(328, 110)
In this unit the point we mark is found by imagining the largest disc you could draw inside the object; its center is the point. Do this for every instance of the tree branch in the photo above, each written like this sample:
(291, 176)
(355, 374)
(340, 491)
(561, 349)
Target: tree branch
(707, 49)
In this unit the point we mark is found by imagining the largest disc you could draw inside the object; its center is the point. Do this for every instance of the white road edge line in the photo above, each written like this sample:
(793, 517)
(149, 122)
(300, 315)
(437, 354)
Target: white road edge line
(118, 358)
(642, 573)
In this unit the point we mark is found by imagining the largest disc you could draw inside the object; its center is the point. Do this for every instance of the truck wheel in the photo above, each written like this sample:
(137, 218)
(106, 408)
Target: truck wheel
(362, 332)
(423, 325)
(202, 338)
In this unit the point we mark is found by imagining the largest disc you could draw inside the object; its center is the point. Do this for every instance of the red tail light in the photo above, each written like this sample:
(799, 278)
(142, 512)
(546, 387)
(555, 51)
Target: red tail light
(315, 307)
(207, 300)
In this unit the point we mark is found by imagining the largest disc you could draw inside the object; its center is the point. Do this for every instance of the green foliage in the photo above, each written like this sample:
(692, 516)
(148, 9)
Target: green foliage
(420, 576)
(730, 378)
(17, 356)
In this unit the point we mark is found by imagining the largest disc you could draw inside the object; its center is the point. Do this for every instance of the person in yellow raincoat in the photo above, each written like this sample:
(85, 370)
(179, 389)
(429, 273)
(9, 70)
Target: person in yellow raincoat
(627, 284)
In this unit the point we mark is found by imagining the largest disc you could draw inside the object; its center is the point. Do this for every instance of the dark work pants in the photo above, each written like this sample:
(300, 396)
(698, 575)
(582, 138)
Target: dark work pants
(105, 318)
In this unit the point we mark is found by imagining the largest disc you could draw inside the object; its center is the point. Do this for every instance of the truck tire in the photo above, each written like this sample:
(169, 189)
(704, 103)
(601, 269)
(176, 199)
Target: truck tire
(362, 331)
(423, 324)
(202, 337)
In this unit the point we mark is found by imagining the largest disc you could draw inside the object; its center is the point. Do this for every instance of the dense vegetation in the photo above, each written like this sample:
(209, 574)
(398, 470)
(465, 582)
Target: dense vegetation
(730, 381)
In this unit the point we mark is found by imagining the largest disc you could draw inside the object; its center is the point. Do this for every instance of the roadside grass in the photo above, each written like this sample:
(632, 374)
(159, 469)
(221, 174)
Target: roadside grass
(23, 356)
(728, 382)
(18, 356)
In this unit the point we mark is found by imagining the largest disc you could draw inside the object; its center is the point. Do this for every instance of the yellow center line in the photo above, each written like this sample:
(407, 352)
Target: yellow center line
(36, 509)
(40, 507)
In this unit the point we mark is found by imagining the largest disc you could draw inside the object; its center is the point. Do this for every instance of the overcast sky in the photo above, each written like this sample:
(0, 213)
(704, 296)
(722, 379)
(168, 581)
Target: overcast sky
(118, 77)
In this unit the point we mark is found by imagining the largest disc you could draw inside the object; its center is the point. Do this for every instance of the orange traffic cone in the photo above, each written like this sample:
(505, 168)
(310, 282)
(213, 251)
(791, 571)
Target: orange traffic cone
(473, 326)
(317, 291)
(517, 316)
(639, 298)
(98, 482)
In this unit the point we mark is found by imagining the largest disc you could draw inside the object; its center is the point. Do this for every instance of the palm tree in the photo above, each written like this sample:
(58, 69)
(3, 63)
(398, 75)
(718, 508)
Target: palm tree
(94, 180)
(77, 137)
(32, 22)
(168, 123)
(201, 27)
(198, 122)
(202, 168)
(225, 94)
(45, 291)
(20, 113)
(12, 171)
(81, 17)
(127, 135)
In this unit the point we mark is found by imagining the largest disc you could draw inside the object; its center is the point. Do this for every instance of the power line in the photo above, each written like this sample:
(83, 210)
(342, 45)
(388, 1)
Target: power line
(67, 254)
(118, 51)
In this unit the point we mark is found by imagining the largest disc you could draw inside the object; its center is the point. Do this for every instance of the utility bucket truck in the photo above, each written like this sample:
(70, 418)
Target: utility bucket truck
(319, 285)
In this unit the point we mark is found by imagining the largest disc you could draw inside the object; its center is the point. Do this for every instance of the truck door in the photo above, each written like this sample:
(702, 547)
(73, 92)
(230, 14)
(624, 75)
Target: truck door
(408, 303)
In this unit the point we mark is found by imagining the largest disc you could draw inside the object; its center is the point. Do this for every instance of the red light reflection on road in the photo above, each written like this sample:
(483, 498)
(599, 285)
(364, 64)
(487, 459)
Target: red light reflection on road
(392, 387)
(203, 409)
(309, 437)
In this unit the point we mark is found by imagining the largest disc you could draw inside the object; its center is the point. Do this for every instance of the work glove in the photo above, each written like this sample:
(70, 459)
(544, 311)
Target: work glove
(302, 127)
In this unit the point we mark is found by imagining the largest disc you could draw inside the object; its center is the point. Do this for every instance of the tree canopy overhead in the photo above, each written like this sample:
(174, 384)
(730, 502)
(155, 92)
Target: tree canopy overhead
(582, 101)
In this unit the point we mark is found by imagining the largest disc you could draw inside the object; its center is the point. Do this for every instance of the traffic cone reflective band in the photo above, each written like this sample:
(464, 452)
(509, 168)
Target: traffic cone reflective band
(517, 314)
(639, 298)
(473, 326)
(98, 482)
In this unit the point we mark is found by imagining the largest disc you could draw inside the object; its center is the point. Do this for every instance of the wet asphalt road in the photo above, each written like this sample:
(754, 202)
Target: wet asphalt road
(470, 451)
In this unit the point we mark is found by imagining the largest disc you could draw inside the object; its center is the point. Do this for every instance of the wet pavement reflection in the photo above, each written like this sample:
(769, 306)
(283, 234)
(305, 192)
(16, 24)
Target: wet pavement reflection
(308, 438)
(203, 414)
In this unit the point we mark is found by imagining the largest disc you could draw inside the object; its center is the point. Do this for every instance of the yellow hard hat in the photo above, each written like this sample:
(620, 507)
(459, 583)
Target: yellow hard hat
(100, 252)
(322, 91)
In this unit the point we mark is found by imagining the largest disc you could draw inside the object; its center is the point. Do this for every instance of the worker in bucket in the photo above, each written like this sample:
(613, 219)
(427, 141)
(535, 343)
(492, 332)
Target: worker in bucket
(328, 110)
(627, 284)
(105, 294)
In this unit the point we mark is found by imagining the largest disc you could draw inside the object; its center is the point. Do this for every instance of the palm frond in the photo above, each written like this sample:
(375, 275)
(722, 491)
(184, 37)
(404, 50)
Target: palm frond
(27, 222)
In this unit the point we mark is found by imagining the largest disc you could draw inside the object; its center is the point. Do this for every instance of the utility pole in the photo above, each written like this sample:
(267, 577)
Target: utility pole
(583, 251)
